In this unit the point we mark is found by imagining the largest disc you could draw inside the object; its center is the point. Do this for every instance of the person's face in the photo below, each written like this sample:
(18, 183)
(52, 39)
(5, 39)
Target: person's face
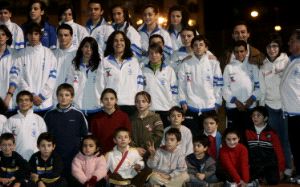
(7, 147)
(155, 57)
(273, 50)
(95, 11)
(199, 149)
(119, 44)
(232, 140)
(34, 38)
(36, 12)
(240, 32)
(24, 103)
(157, 40)
(210, 126)
(64, 98)
(87, 51)
(199, 47)
(89, 147)
(122, 139)
(149, 16)
(186, 38)
(176, 118)
(118, 15)
(240, 53)
(258, 119)
(5, 15)
(176, 17)
(46, 148)
(67, 16)
(3, 38)
(141, 103)
(109, 101)
(64, 38)
(171, 142)
(294, 45)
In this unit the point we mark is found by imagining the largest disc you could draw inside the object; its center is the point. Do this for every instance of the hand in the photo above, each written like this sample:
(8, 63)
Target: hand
(4, 180)
(239, 105)
(184, 107)
(7, 99)
(34, 177)
(17, 184)
(249, 102)
(137, 167)
(37, 101)
(41, 184)
(151, 148)
(200, 176)
(242, 184)
(165, 176)
(141, 151)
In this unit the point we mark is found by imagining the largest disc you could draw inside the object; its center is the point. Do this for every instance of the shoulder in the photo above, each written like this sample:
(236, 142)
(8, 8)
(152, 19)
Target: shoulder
(187, 58)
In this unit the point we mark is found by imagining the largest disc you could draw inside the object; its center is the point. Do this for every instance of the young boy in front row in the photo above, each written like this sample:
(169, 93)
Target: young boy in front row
(124, 162)
(176, 117)
(46, 165)
(26, 126)
(13, 167)
(168, 162)
(201, 166)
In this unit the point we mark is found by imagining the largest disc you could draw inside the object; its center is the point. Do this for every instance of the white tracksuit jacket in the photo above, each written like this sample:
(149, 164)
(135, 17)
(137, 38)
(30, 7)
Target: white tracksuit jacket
(17, 35)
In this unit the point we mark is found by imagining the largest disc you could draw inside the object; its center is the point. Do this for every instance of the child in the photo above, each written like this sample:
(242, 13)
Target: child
(241, 88)
(160, 82)
(210, 125)
(124, 162)
(201, 166)
(265, 152)
(176, 117)
(46, 165)
(26, 126)
(200, 82)
(107, 121)
(168, 162)
(89, 166)
(146, 125)
(5, 19)
(234, 159)
(68, 121)
(13, 167)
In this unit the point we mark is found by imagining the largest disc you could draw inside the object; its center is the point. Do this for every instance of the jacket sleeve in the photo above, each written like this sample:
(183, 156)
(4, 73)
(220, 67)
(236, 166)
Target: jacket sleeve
(52, 37)
(181, 166)
(153, 162)
(83, 126)
(192, 171)
(227, 94)
(24, 169)
(101, 168)
(210, 167)
(279, 152)
(57, 168)
(244, 164)
(140, 79)
(48, 88)
(228, 166)
(7, 126)
(16, 74)
(218, 83)
(182, 85)
(256, 88)
(262, 85)
(157, 132)
(174, 87)
(77, 171)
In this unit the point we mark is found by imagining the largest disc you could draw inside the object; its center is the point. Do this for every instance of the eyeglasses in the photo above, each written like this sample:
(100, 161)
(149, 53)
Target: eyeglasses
(272, 46)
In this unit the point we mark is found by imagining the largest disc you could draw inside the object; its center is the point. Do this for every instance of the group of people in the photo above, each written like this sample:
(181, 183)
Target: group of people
(149, 98)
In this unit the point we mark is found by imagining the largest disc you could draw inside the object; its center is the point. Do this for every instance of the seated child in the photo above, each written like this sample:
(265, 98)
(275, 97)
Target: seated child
(89, 165)
(201, 166)
(234, 159)
(176, 117)
(124, 162)
(13, 167)
(210, 129)
(46, 165)
(265, 152)
(26, 126)
(168, 162)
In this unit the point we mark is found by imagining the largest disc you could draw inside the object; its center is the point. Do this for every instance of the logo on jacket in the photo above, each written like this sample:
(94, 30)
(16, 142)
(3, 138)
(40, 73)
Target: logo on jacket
(188, 76)
(108, 74)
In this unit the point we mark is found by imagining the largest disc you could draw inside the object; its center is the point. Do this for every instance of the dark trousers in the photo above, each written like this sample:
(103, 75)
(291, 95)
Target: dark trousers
(270, 173)
(164, 117)
(294, 129)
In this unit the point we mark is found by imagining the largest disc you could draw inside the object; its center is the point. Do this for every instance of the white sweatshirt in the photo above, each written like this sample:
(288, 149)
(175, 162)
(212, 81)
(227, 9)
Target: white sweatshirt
(17, 35)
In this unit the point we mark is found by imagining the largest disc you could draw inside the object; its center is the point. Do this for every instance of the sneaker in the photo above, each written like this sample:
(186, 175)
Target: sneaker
(295, 179)
(254, 183)
(230, 184)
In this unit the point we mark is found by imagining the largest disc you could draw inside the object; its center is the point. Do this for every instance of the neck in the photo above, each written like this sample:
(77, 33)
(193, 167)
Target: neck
(198, 56)
(85, 60)
(38, 20)
(44, 157)
(175, 126)
(200, 156)
(2, 49)
(177, 27)
(64, 107)
(118, 56)
(66, 46)
(189, 49)
(24, 112)
(151, 27)
(95, 22)
(122, 149)
(110, 111)
(143, 114)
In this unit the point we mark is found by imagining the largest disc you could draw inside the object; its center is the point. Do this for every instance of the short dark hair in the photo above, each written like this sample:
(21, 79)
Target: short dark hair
(23, 93)
(145, 94)
(90, 137)
(33, 27)
(153, 6)
(64, 8)
(240, 43)
(6, 5)
(156, 36)
(203, 139)
(121, 129)
(262, 110)
(100, 2)
(7, 33)
(240, 22)
(189, 28)
(67, 87)
(200, 38)
(176, 109)
(7, 136)
(211, 115)
(174, 131)
(231, 130)
(156, 48)
(45, 136)
(64, 26)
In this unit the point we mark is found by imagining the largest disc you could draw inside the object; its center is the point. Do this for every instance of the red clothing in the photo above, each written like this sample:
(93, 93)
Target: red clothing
(104, 125)
(235, 162)
(212, 149)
